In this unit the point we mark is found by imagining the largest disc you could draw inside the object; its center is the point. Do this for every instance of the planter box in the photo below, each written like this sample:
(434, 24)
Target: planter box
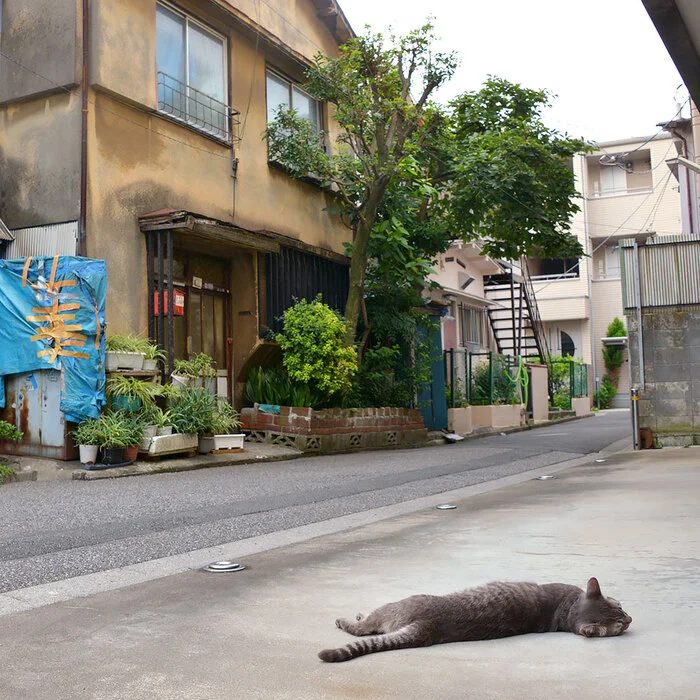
(115, 360)
(581, 406)
(208, 383)
(496, 416)
(459, 420)
(171, 444)
(233, 441)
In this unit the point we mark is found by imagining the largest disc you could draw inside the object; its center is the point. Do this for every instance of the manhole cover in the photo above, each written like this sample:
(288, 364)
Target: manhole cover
(445, 506)
(223, 567)
(545, 477)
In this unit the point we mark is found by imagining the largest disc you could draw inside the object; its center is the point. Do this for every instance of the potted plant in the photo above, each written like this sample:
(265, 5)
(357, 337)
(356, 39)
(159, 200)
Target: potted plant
(187, 416)
(164, 421)
(223, 421)
(152, 355)
(114, 436)
(136, 425)
(199, 372)
(130, 393)
(191, 411)
(87, 437)
(125, 351)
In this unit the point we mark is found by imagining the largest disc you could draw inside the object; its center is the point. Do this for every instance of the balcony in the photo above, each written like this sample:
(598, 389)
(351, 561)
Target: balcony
(189, 106)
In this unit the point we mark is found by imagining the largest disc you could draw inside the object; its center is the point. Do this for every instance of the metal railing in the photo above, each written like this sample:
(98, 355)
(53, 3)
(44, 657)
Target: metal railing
(193, 107)
(535, 319)
(480, 378)
(568, 380)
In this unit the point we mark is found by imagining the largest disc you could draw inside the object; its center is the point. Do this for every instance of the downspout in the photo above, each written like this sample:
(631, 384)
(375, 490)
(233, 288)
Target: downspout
(687, 180)
(589, 246)
(82, 224)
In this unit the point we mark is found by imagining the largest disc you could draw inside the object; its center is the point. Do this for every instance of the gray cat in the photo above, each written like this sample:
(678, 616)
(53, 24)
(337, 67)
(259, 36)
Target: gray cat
(488, 612)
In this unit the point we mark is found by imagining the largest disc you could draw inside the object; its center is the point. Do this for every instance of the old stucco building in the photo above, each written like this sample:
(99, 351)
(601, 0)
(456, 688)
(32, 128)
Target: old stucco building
(131, 128)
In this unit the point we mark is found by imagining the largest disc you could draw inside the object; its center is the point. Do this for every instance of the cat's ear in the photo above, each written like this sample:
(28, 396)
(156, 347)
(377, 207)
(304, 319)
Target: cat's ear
(593, 588)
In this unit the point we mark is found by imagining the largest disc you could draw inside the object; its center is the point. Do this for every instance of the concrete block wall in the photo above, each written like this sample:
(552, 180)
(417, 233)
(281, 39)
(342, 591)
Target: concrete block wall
(336, 430)
(670, 400)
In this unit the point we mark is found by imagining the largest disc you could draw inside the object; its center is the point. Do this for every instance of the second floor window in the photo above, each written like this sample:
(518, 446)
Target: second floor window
(191, 72)
(283, 93)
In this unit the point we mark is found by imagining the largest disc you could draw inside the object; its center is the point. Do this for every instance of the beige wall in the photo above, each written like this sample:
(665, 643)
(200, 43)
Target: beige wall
(607, 295)
(657, 211)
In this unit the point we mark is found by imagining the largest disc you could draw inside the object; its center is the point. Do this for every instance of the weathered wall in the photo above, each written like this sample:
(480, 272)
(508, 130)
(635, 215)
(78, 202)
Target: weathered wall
(41, 35)
(40, 160)
(140, 162)
(670, 401)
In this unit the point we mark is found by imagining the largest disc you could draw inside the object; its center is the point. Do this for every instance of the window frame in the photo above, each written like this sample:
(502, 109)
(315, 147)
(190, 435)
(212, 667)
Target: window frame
(188, 18)
(471, 318)
(292, 85)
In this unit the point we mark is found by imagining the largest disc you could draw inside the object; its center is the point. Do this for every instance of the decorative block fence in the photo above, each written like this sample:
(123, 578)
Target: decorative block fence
(336, 429)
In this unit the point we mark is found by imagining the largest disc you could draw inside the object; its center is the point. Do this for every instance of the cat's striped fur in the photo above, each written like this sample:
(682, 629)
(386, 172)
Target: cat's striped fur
(487, 612)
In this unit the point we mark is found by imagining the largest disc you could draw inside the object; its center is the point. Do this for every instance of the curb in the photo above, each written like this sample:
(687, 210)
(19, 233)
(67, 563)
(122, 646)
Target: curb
(522, 428)
(146, 467)
(18, 477)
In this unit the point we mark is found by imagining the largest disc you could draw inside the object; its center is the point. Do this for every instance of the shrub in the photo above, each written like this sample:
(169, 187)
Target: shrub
(505, 390)
(9, 432)
(314, 352)
(376, 383)
(612, 354)
(273, 386)
(606, 393)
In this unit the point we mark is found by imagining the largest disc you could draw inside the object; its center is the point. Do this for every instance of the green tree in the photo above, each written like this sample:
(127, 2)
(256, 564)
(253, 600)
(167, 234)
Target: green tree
(411, 176)
(380, 89)
(612, 354)
(511, 181)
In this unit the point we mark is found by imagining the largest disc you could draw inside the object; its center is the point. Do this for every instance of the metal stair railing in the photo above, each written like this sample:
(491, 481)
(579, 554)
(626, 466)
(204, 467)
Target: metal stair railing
(533, 309)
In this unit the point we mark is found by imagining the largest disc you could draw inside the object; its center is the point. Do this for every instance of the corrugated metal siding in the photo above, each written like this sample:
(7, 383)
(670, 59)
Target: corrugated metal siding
(52, 239)
(669, 271)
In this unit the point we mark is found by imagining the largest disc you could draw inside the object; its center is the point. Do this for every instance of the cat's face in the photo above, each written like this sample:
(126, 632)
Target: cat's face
(599, 616)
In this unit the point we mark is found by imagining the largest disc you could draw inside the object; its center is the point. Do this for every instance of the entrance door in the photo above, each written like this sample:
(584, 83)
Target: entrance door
(205, 325)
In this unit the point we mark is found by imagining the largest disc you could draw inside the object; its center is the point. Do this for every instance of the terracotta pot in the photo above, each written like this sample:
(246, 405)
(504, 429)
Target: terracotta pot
(131, 453)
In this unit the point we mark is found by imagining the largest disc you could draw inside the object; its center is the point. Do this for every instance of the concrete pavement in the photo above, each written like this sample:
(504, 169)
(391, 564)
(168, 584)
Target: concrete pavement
(632, 521)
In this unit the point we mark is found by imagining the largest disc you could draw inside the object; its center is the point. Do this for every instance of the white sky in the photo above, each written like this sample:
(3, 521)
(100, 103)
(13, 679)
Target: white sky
(603, 58)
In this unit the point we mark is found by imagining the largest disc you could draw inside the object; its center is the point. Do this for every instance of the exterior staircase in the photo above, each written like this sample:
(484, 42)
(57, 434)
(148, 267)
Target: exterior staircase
(516, 323)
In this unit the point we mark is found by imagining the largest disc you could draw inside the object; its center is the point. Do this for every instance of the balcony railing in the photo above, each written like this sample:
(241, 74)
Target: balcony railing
(193, 107)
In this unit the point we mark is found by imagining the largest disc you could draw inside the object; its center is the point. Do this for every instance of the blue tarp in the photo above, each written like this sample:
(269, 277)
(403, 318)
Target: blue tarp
(52, 316)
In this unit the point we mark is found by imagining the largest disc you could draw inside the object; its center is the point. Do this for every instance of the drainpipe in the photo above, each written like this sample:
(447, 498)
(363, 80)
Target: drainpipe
(680, 136)
(589, 246)
(82, 224)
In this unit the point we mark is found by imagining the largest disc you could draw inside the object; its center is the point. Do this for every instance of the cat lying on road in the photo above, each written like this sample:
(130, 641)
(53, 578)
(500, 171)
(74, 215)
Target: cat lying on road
(488, 612)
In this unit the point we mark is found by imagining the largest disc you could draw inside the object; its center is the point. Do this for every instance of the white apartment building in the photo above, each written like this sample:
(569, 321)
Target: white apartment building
(629, 188)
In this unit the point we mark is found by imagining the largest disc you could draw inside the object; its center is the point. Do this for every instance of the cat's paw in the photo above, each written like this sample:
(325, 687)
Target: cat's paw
(339, 623)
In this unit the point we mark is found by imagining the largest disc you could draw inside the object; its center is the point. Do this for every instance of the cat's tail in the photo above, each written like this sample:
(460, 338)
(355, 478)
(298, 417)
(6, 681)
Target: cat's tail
(401, 639)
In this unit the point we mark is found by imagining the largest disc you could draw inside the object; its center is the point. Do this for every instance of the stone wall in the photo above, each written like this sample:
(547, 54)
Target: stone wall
(335, 429)
(669, 403)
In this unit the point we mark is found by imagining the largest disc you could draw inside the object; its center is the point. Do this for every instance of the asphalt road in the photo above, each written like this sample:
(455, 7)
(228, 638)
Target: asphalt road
(54, 530)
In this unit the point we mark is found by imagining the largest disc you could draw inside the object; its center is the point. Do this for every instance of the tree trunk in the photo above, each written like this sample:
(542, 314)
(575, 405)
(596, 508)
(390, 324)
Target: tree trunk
(358, 264)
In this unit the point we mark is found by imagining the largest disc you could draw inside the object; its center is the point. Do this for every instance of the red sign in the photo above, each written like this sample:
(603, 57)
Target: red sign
(178, 303)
